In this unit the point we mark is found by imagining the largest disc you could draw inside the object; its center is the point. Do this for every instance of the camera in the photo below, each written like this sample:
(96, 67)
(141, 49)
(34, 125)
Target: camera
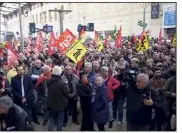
(130, 77)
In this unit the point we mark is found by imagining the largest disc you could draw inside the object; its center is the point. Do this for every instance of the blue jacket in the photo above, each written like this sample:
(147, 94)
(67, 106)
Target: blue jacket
(100, 107)
(91, 78)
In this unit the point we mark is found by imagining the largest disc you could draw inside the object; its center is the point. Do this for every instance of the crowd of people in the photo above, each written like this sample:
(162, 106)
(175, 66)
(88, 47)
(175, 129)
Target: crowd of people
(104, 83)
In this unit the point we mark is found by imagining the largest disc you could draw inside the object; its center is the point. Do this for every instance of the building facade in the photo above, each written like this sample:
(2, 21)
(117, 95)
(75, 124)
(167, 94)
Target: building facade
(105, 17)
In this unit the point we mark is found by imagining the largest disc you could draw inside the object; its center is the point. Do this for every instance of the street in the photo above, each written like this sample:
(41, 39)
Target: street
(73, 127)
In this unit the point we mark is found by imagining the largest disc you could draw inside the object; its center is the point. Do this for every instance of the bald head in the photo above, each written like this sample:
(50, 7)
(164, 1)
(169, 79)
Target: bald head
(38, 63)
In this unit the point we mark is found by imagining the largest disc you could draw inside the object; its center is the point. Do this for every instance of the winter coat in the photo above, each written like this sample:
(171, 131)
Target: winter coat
(18, 120)
(111, 84)
(137, 112)
(100, 108)
(74, 82)
(57, 93)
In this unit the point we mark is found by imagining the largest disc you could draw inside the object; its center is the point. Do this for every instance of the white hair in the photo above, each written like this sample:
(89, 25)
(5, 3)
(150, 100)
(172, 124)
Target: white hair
(57, 71)
(6, 102)
(104, 68)
(88, 64)
(144, 76)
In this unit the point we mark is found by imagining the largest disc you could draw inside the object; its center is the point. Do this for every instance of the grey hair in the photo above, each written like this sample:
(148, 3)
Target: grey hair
(88, 64)
(144, 76)
(104, 68)
(6, 102)
(46, 67)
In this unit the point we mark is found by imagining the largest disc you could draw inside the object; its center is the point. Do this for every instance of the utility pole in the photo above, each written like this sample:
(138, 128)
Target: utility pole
(21, 31)
(144, 12)
(61, 11)
(144, 6)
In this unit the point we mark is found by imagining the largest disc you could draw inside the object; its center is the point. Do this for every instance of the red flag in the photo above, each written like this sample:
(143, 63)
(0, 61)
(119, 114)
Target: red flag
(39, 42)
(133, 39)
(42, 78)
(170, 37)
(65, 40)
(52, 44)
(12, 56)
(160, 37)
(118, 40)
(106, 41)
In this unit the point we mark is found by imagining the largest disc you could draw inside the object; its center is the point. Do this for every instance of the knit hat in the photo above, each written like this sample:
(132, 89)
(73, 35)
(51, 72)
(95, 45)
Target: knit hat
(57, 71)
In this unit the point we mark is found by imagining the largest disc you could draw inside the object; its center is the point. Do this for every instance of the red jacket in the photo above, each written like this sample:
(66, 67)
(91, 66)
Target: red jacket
(112, 84)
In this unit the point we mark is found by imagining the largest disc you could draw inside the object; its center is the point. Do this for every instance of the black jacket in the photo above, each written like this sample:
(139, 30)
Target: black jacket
(85, 94)
(58, 93)
(137, 112)
(18, 120)
(17, 92)
(120, 93)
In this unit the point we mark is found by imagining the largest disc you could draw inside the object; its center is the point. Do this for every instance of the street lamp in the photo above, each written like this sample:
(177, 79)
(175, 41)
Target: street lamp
(61, 11)
(144, 6)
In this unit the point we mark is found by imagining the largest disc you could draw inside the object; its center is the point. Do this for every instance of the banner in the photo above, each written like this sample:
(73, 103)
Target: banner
(39, 42)
(99, 43)
(52, 44)
(118, 40)
(174, 41)
(160, 37)
(76, 51)
(65, 40)
(12, 56)
(144, 44)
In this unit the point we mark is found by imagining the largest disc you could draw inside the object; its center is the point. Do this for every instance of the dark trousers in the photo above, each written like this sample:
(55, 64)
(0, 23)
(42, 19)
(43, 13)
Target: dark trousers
(131, 127)
(118, 108)
(72, 106)
(101, 127)
(87, 124)
(56, 117)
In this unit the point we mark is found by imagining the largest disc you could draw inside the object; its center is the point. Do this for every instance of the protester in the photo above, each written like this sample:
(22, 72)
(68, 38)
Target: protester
(72, 80)
(16, 119)
(140, 101)
(84, 91)
(120, 95)
(58, 93)
(119, 65)
(12, 72)
(100, 106)
(23, 90)
(111, 84)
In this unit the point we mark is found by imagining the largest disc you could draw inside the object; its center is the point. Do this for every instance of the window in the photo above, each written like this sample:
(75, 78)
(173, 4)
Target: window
(121, 6)
(41, 18)
(50, 16)
(36, 18)
(55, 15)
(45, 17)
(89, 8)
(104, 7)
(33, 20)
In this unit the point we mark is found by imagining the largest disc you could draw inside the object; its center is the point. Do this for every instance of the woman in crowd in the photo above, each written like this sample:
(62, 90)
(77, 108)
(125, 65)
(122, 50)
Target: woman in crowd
(84, 91)
(99, 103)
